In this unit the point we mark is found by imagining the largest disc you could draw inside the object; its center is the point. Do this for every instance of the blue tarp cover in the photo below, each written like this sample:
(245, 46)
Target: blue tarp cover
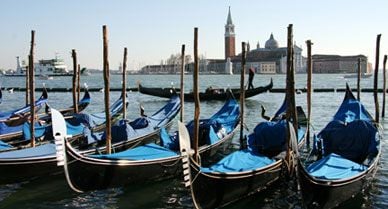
(145, 152)
(351, 110)
(125, 132)
(239, 161)
(353, 141)
(38, 151)
(334, 167)
(4, 145)
(268, 136)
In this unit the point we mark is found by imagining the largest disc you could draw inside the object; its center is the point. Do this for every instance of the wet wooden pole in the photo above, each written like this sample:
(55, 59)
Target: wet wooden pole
(74, 90)
(196, 96)
(182, 92)
(359, 80)
(124, 87)
(28, 81)
(32, 89)
(309, 89)
(291, 112)
(106, 89)
(78, 83)
(242, 94)
(384, 86)
(291, 108)
(377, 117)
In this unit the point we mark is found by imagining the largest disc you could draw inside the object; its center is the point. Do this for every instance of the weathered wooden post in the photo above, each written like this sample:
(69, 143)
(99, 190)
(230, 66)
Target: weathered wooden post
(359, 79)
(124, 87)
(384, 86)
(242, 95)
(182, 92)
(291, 108)
(74, 90)
(309, 89)
(28, 81)
(78, 83)
(196, 96)
(106, 89)
(32, 89)
(377, 118)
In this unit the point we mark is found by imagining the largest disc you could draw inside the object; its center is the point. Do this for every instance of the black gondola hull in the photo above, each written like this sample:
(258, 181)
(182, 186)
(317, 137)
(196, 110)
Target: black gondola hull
(213, 190)
(215, 94)
(322, 194)
(93, 174)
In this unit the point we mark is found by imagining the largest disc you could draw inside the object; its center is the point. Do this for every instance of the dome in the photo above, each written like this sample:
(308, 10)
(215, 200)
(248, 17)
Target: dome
(258, 45)
(271, 43)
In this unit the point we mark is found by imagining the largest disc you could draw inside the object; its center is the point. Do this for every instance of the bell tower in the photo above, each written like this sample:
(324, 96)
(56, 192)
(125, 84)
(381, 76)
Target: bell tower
(230, 50)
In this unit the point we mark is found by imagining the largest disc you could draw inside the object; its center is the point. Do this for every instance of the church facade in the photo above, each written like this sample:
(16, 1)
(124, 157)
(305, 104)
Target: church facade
(269, 59)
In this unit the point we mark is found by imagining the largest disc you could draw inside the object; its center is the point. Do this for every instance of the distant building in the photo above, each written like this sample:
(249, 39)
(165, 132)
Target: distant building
(268, 60)
(160, 69)
(339, 64)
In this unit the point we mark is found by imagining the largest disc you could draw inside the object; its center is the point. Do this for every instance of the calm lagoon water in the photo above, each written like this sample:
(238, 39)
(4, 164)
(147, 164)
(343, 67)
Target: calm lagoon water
(53, 193)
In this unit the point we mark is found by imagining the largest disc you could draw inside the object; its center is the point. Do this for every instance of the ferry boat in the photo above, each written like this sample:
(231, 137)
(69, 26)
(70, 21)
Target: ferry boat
(49, 67)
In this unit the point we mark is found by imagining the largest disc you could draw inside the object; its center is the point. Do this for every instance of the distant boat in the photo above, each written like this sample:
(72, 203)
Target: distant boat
(355, 75)
(50, 67)
(209, 94)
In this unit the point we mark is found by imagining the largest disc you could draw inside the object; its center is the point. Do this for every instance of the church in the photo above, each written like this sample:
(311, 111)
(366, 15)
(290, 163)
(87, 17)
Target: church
(269, 59)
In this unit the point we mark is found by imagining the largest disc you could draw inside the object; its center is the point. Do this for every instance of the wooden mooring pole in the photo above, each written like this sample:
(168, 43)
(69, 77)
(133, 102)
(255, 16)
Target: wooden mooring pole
(309, 89)
(377, 117)
(124, 87)
(291, 108)
(78, 83)
(196, 96)
(32, 88)
(108, 134)
(384, 86)
(74, 90)
(242, 95)
(182, 92)
(359, 79)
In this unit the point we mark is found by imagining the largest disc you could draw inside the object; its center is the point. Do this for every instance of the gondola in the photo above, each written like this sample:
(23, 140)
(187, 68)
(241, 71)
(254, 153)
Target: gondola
(142, 164)
(209, 94)
(246, 171)
(344, 158)
(19, 163)
(11, 128)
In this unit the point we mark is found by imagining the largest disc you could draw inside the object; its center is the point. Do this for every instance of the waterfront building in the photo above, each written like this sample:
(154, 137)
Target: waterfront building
(339, 64)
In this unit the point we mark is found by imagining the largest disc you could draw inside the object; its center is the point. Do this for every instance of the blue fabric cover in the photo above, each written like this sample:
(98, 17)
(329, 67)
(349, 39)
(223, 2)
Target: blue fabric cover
(125, 132)
(268, 137)
(221, 123)
(169, 142)
(281, 110)
(5, 129)
(239, 161)
(73, 128)
(45, 150)
(354, 140)
(146, 152)
(4, 145)
(350, 110)
(139, 123)
(333, 167)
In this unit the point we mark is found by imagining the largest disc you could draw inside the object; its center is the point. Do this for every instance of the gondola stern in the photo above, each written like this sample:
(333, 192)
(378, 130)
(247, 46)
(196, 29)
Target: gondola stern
(186, 152)
(60, 135)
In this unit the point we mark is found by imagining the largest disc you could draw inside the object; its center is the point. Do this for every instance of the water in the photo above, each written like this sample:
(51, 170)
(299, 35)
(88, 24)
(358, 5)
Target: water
(53, 192)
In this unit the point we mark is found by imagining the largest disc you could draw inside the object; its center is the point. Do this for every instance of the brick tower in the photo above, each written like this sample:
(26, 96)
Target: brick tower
(230, 50)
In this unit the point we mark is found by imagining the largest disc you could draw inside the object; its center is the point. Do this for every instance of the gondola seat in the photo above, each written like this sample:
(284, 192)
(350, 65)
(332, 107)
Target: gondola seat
(240, 161)
(334, 166)
(146, 152)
